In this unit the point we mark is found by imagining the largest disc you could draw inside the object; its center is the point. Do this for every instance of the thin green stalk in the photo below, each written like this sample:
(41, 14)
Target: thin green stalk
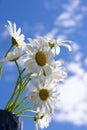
(1, 66)
(26, 83)
(27, 79)
(19, 95)
(8, 50)
(20, 103)
(22, 107)
(24, 116)
(17, 82)
(14, 92)
(27, 75)
(18, 67)
(20, 81)
(23, 110)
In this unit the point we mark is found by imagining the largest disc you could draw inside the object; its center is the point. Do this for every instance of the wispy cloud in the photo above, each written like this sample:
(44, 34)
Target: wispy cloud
(73, 104)
(51, 4)
(72, 15)
(73, 99)
(3, 35)
(68, 20)
(85, 61)
(52, 33)
(71, 18)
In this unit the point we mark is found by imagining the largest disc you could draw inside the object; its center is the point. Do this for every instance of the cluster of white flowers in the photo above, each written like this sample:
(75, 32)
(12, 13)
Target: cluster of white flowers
(38, 57)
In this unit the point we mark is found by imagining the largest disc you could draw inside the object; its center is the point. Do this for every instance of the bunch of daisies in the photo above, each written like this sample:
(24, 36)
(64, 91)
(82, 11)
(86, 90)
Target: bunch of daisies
(39, 72)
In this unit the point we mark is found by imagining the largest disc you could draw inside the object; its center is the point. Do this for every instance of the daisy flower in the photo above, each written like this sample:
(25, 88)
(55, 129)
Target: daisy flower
(55, 45)
(14, 55)
(17, 38)
(44, 96)
(39, 57)
(57, 74)
(58, 71)
(42, 120)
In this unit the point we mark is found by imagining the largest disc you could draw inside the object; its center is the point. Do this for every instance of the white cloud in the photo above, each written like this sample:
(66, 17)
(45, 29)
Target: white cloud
(84, 8)
(76, 68)
(72, 6)
(73, 98)
(52, 33)
(39, 27)
(51, 4)
(78, 56)
(75, 47)
(72, 15)
(85, 61)
(3, 35)
(67, 22)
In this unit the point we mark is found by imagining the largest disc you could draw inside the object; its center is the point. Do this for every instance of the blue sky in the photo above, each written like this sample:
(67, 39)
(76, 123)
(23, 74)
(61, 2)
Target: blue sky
(55, 19)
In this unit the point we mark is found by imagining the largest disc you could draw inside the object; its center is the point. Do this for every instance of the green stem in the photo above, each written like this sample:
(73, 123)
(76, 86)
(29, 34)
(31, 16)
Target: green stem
(18, 68)
(14, 92)
(17, 82)
(22, 107)
(24, 116)
(24, 110)
(8, 50)
(19, 95)
(1, 66)
(27, 75)
(20, 86)
(20, 104)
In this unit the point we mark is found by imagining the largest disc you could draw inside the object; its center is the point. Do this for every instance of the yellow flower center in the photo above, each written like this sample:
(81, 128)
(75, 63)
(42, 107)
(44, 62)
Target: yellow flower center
(44, 94)
(40, 58)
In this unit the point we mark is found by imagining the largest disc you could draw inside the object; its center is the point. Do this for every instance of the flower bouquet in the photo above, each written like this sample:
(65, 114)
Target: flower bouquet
(39, 72)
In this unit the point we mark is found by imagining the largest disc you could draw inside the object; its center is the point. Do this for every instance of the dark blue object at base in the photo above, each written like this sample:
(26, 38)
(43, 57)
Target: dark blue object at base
(9, 121)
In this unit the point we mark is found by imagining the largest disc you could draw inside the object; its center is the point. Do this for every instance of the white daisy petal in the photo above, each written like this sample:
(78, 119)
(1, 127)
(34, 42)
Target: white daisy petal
(47, 70)
(43, 95)
(14, 27)
(18, 31)
(19, 38)
(42, 120)
(10, 28)
(55, 45)
(66, 45)
(57, 50)
(14, 55)
(42, 56)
